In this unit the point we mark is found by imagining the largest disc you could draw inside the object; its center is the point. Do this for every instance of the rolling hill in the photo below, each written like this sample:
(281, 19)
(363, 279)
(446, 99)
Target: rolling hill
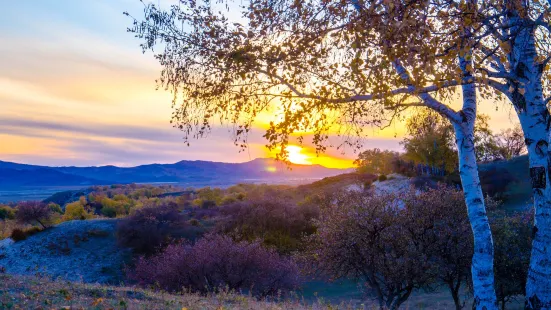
(191, 172)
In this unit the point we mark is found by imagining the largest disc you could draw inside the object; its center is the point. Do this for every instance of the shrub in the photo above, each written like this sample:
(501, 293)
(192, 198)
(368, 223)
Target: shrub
(381, 178)
(18, 235)
(75, 211)
(33, 211)
(216, 262)
(394, 243)
(55, 208)
(150, 228)
(437, 221)
(512, 234)
(33, 230)
(228, 200)
(208, 204)
(118, 206)
(364, 237)
(109, 212)
(7, 213)
(277, 222)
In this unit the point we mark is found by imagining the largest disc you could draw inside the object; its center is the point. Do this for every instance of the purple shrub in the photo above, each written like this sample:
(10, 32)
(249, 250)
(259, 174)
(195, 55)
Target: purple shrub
(150, 229)
(216, 262)
(277, 222)
(33, 211)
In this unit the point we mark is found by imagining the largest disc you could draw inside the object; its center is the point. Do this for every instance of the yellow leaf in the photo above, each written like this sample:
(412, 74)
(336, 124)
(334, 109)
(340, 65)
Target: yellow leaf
(97, 302)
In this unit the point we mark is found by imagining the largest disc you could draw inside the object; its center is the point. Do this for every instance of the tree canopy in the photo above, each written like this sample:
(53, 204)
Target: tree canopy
(320, 61)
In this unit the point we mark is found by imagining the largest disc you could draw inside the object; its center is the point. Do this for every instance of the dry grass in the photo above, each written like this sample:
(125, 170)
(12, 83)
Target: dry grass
(25, 292)
(17, 292)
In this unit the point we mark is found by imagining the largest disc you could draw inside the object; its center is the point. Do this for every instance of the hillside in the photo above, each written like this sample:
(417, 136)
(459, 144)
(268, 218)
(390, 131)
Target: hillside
(14, 178)
(77, 251)
(187, 172)
(511, 176)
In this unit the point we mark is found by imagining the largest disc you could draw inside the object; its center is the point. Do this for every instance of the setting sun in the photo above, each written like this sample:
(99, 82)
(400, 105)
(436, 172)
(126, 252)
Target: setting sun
(297, 156)
(306, 155)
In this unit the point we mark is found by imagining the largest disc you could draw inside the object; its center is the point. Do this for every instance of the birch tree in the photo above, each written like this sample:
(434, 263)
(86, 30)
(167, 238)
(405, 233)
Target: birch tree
(332, 68)
(512, 57)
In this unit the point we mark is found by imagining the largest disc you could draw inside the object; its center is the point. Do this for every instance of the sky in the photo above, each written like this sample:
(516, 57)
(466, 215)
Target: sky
(76, 90)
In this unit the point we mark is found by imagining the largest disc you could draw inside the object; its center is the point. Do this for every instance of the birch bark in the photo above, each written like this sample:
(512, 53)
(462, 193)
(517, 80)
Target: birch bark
(482, 267)
(527, 98)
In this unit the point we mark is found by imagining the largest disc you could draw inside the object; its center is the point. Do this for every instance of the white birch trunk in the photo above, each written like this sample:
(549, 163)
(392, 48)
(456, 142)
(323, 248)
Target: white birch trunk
(534, 119)
(482, 267)
(483, 257)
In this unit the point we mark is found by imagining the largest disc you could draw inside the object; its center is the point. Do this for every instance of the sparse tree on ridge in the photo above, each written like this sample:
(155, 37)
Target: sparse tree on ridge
(33, 211)
(375, 161)
(430, 140)
(511, 142)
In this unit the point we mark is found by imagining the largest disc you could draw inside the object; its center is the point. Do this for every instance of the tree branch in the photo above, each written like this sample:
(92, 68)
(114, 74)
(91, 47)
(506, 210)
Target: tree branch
(366, 97)
(496, 74)
(429, 101)
(491, 53)
(499, 87)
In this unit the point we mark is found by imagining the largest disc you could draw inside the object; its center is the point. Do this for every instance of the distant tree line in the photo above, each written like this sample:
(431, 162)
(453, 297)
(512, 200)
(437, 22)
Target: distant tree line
(429, 148)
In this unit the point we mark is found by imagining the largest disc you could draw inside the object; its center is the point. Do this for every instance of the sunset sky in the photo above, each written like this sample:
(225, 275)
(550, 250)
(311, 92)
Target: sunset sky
(75, 89)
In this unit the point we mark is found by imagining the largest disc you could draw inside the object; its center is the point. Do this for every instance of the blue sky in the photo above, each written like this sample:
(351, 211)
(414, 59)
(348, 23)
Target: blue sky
(75, 89)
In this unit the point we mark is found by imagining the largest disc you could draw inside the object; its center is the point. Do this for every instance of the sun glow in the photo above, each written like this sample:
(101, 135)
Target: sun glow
(305, 155)
(297, 156)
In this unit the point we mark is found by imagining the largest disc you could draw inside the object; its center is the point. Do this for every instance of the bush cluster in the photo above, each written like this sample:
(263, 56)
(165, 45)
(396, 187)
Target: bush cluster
(21, 234)
(396, 243)
(152, 228)
(217, 262)
(277, 222)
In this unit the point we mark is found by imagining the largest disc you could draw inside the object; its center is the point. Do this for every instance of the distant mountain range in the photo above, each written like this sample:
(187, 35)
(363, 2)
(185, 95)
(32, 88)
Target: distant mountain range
(13, 175)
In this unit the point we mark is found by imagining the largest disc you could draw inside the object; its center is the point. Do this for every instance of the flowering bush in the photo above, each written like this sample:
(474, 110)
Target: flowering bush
(216, 262)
